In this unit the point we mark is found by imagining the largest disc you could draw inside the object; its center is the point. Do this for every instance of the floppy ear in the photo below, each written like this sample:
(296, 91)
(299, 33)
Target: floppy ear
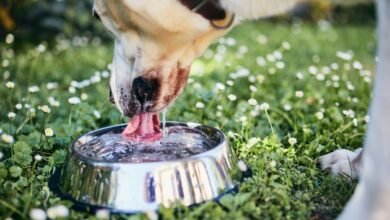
(253, 9)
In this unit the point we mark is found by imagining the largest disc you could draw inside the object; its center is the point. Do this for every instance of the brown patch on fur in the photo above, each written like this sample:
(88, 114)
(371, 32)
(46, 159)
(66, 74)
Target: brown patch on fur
(177, 80)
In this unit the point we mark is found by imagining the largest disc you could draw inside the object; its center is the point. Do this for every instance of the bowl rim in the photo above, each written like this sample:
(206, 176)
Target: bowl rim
(102, 163)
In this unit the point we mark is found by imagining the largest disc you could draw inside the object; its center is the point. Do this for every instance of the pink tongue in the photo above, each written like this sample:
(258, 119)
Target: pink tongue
(144, 127)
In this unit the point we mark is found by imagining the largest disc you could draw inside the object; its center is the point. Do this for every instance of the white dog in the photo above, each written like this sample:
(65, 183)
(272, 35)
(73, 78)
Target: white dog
(157, 40)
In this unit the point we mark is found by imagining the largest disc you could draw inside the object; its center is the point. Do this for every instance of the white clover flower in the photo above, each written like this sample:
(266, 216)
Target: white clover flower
(347, 56)
(45, 109)
(27, 106)
(261, 39)
(292, 141)
(33, 89)
(350, 86)
(271, 58)
(51, 85)
(11, 115)
(84, 96)
(261, 61)
(220, 86)
(280, 65)
(260, 78)
(38, 157)
(105, 74)
(18, 106)
(72, 90)
(58, 211)
(355, 122)
(367, 118)
(335, 78)
(9, 39)
(8, 139)
(320, 77)
(319, 115)
(49, 132)
(271, 71)
(1, 130)
(199, 105)
(37, 214)
(218, 114)
(334, 66)
(219, 107)
(278, 55)
(243, 119)
(299, 94)
(229, 83)
(264, 106)
(53, 102)
(102, 214)
(41, 48)
(299, 75)
(5, 63)
(74, 100)
(10, 85)
(349, 113)
(357, 65)
(252, 78)
(232, 97)
(96, 114)
(1, 155)
(286, 45)
(272, 164)
(252, 102)
(313, 70)
(242, 166)
(252, 88)
(287, 107)
(230, 41)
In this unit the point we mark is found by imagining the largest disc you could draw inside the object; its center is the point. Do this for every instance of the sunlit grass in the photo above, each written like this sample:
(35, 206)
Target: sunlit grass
(284, 94)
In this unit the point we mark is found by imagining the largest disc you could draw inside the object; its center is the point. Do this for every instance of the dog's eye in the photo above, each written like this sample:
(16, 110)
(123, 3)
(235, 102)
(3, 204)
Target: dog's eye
(96, 15)
(223, 23)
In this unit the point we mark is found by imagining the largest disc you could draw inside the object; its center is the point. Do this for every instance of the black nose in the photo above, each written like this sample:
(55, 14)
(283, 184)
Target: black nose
(143, 89)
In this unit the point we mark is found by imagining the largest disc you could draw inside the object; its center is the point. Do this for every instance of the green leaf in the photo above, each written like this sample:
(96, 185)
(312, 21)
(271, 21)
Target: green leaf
(15, 171)
(22, 153)
(59, 157)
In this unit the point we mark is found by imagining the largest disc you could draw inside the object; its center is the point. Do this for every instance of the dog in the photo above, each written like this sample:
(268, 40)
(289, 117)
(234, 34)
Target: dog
(157, 40)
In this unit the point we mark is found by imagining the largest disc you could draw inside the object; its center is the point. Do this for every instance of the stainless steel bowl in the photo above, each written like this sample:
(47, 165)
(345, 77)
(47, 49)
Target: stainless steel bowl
(137, 187)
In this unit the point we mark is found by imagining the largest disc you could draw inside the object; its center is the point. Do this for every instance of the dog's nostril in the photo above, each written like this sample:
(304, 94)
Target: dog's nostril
(142, 89)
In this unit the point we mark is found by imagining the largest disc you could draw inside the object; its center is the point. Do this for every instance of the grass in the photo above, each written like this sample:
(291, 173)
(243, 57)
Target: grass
(306, 81)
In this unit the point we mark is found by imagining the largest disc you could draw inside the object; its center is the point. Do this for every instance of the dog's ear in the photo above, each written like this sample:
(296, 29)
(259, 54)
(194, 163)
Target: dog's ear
(253, 9)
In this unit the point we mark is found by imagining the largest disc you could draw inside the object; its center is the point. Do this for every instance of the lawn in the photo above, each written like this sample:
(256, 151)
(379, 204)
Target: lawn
(284, 94)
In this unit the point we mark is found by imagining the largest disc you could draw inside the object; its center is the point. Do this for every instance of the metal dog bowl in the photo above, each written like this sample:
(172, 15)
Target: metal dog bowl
(134, 185)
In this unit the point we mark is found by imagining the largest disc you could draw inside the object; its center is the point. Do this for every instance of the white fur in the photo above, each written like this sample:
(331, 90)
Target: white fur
(340, 162)
(371, 199)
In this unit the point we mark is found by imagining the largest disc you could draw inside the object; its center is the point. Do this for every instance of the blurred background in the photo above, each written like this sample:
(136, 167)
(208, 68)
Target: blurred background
(44, 20)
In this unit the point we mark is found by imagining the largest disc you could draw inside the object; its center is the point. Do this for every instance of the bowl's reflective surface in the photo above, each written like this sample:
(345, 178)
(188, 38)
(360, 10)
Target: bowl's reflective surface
(134, 187)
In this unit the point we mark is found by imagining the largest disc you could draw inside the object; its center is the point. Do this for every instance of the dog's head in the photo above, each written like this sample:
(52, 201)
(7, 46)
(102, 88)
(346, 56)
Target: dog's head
(155, 43)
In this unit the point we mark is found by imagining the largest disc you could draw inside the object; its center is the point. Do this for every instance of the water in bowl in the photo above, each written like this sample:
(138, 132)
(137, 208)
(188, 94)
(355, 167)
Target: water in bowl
(178, 142)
